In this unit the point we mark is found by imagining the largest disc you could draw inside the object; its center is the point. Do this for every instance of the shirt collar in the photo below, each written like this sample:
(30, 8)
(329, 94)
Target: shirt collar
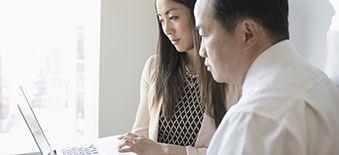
(266, 60)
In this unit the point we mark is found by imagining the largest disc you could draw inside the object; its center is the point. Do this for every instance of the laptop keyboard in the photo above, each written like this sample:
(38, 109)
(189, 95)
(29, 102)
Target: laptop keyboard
(81, 150)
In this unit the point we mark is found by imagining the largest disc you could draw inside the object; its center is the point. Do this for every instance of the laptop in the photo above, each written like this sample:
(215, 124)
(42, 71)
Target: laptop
(40, 138)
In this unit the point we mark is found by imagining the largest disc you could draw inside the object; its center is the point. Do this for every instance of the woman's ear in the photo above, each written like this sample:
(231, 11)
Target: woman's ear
(251, 30)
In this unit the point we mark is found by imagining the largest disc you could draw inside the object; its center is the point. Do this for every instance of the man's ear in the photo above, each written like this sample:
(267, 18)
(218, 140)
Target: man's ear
(251, 32)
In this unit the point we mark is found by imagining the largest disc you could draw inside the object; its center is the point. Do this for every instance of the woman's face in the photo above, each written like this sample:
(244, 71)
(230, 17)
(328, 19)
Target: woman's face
(175, 19)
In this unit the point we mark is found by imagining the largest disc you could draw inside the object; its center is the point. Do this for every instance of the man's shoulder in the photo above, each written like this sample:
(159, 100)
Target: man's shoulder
(275, 100)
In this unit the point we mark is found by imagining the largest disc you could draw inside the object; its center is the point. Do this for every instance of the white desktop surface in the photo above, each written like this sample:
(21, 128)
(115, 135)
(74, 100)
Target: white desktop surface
(105, 146)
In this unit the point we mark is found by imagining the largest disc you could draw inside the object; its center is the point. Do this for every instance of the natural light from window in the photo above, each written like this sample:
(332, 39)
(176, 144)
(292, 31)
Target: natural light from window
(51, 49)
(332, 61)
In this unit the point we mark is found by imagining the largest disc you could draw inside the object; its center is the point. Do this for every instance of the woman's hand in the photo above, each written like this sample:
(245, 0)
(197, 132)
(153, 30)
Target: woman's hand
(140, 145)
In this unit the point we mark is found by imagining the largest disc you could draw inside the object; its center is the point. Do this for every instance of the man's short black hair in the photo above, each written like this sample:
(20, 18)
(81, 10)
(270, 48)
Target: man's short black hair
(272, 15)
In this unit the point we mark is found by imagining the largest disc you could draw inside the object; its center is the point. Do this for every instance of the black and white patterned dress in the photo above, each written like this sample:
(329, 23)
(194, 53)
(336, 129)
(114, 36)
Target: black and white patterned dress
(184, 126)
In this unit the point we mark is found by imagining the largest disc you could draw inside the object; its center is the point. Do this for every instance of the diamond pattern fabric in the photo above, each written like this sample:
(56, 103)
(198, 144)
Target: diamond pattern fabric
(184, 126)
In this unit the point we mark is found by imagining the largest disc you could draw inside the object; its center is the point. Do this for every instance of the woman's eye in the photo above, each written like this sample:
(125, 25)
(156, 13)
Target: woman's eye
(173, 17)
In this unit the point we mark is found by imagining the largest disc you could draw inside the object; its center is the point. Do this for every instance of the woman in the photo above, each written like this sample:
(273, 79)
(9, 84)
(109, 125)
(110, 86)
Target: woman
(173, 117)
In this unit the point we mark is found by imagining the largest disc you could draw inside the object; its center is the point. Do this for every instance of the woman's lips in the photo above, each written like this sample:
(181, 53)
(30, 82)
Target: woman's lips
(175, 41)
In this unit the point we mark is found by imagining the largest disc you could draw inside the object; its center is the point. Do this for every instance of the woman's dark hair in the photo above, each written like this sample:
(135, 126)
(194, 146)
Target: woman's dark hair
(270, 14)
(170, 75)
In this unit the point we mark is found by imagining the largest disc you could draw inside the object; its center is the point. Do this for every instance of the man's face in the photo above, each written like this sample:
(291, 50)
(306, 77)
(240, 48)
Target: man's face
(223, 52)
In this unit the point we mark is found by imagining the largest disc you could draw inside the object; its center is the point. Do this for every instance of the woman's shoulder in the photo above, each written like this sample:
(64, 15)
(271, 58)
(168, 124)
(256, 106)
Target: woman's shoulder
(149, 68)
(150, 63)
(151, 58)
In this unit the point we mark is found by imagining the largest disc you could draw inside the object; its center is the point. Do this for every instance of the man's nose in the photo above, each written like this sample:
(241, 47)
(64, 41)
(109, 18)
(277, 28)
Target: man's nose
(202, 50)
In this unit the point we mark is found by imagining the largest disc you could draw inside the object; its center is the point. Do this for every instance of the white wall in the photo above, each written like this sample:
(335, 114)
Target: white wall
(128, 37)
(309, 22)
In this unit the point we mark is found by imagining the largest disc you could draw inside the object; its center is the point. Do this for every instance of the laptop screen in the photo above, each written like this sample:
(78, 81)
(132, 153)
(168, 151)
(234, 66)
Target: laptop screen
(33, 125)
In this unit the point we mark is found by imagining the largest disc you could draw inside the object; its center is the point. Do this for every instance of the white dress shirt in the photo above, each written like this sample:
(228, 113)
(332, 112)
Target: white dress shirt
(288, 107)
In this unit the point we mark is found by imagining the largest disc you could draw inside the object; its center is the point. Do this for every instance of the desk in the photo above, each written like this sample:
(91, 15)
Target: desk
(107, 145)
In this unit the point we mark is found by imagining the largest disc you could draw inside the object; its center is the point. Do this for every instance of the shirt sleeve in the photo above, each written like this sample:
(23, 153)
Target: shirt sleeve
(195, 151)
(141, 124)
(248, 133)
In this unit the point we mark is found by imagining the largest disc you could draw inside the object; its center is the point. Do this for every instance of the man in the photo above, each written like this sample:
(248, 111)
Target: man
(287, 105)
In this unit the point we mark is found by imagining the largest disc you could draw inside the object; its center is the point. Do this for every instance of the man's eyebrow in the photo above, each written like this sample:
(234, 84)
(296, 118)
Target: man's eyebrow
(168, 11)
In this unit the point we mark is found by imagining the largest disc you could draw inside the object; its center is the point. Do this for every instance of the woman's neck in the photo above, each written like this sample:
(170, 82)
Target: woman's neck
(189, 57)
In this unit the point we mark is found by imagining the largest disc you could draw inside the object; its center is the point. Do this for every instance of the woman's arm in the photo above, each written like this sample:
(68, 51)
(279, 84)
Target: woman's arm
(141, 123)
(144, 146)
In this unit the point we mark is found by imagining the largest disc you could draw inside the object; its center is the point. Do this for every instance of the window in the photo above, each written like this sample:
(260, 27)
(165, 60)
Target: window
(51, 49)
(332, 42)
(314, 29)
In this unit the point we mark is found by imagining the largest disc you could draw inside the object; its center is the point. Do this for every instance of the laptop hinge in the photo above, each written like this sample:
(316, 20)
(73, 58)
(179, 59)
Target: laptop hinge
(52, 152)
